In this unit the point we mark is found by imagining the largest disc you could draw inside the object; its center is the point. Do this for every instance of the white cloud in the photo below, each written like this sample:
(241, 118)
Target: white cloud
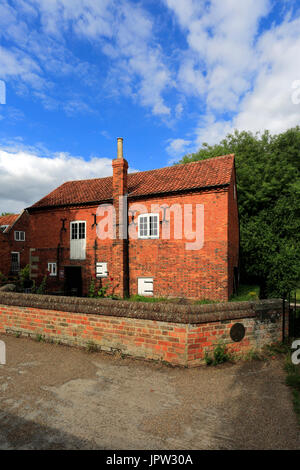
(16, 64)
(220, 59)
(243, 77)
(191, 79)
(236, 75)
(141, 58)
(269, 105)
(179, 110)
(122, 30)
(177, 147)
(26, 177)
(211, 131)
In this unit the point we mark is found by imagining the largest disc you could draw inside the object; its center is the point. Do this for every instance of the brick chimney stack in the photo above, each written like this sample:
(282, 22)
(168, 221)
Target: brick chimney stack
(120, 244)
(120, 167)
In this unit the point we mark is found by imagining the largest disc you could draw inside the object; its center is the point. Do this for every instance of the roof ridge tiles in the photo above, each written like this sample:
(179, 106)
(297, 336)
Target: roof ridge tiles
(215, 171)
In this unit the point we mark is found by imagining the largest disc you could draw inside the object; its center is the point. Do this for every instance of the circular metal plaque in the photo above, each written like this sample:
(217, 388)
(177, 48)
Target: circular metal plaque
(237, 332)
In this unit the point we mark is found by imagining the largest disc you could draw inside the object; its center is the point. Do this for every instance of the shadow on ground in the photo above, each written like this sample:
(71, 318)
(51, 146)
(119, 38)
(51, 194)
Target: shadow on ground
(19, 433)
(57, 397)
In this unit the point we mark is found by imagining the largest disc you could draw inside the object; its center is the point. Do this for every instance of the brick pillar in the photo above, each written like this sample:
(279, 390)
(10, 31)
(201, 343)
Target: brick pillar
(120, 244)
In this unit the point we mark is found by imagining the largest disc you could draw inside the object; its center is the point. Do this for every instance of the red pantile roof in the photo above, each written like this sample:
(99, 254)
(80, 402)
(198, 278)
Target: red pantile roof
(8, 220)
(196, 175)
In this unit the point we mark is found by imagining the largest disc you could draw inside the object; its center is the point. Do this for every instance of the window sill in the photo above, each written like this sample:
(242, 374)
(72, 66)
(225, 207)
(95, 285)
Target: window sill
(148, 238)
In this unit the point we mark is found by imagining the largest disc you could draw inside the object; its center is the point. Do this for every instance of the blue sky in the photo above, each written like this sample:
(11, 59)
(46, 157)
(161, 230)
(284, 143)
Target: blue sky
(166, 75)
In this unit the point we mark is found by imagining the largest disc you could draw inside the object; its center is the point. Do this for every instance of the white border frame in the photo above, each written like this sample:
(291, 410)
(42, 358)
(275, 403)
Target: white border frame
(19, 231)
(98, 276)
(52, 262)
(77, 222)
(148, 237)
(19, 260)
(146, 294)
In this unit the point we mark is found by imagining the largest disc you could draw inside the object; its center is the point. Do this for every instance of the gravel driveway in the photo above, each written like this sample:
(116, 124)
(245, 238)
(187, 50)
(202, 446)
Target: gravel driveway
(57, 397)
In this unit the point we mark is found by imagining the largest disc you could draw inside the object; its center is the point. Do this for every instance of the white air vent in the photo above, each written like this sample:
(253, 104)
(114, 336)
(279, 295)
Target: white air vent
(145, 285)
(101, 270)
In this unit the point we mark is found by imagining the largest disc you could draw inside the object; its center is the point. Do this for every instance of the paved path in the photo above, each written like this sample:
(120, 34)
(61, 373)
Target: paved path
(56, 397)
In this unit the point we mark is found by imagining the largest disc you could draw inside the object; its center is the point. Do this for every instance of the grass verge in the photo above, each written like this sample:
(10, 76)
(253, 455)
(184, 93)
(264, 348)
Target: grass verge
(245, 293)
(293, 381)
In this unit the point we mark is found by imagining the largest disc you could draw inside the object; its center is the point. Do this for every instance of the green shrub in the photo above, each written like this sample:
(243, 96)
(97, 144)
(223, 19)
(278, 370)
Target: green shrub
(253, 355)
(296, 403)
(289, 367)
(293, 380)
(276, 348)
(102, 291)
(208, 360)
(142, 298)
(24, 275)
(42, 288)
(91, 292)
(245, 293)
(220, 355)
(205, 301)
(91, 347)
(39, 338)
(2, 278)
(98, 292)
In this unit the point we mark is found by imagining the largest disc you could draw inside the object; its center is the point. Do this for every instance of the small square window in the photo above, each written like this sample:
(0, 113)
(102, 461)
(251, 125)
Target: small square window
(148, 225)
(20, 236)
(52, 268)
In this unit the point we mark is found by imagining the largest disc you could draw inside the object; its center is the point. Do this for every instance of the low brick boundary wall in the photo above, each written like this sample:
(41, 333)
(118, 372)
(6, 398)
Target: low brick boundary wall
(178, 334)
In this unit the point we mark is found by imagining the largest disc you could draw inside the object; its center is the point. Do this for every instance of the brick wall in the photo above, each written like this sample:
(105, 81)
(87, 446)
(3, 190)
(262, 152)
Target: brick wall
(176, 334)
(8, 244)
(177, 272)
(52, 244)
(4, 255)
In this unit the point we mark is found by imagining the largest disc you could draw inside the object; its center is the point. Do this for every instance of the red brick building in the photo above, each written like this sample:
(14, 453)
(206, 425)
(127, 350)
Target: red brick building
(182, 223)
(14, 243)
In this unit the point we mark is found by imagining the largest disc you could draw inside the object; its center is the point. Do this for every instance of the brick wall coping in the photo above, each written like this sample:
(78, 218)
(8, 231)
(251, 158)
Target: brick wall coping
(166, 312)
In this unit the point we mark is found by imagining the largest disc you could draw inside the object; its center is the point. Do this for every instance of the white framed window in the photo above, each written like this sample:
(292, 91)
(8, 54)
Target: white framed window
(101, 270)
(77, 239)
(145, 286)
(52, 268)
(78, 230)
(15, 261)
(148, 226)
(20, 236)
(3, 228)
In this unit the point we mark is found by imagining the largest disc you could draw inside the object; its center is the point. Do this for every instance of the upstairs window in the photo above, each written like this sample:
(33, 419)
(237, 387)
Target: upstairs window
(78, 240)
(78, 230)
(148, 226)
(20, 236)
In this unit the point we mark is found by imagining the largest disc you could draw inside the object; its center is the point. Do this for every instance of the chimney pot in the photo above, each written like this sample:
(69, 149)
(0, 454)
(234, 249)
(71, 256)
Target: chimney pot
(120, 148)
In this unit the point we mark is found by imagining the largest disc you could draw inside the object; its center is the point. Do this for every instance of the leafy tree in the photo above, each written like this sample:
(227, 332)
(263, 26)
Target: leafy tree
(6, 213)
(268, 183)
